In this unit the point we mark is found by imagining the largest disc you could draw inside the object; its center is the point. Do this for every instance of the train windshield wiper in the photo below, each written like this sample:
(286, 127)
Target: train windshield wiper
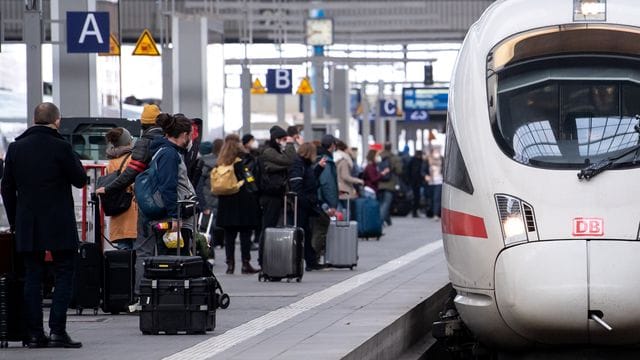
(594, 169)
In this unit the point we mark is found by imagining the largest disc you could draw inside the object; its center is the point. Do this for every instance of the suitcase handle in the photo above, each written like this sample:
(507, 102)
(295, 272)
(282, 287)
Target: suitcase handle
(295, 208)
(348, 215)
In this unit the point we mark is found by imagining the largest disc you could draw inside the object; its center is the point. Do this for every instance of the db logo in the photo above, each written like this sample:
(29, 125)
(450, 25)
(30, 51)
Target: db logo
(588, 227)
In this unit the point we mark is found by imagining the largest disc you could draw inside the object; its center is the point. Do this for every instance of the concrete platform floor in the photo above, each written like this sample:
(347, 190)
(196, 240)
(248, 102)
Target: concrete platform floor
(326, 316)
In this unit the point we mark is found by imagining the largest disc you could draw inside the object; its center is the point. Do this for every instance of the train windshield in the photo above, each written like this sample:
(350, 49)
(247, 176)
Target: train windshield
(568, 117)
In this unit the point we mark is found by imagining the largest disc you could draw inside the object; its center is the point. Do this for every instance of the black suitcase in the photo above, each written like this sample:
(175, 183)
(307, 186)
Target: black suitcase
(119, 278)
(173, 306)
(88, 278)
(173, 267)
(12, 325)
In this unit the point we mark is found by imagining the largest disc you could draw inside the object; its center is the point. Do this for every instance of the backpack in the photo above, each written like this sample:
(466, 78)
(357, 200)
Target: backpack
(385, 163)
(270, 183)
(224, 180)
(148, 193)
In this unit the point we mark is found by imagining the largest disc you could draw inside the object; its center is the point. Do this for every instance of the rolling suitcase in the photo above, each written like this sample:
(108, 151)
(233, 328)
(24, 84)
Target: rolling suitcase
(119, 278)
(175, 306)
(282, 249)
(342, 242)
(368, 217)
(12, 325)
(87, 281)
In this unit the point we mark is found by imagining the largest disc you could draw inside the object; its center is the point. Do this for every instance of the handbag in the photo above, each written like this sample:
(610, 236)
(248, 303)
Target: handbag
(115, 202)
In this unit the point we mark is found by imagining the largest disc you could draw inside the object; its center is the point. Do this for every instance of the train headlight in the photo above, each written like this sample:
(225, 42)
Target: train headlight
(512, 219)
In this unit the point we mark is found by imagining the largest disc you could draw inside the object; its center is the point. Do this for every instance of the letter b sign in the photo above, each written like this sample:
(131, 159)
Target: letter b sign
(279, 81)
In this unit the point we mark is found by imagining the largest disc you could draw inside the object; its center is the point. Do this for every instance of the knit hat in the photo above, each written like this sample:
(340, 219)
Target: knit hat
(327, 141)
(277, 132)
(247, 138)
(149, 114)
(125, 138)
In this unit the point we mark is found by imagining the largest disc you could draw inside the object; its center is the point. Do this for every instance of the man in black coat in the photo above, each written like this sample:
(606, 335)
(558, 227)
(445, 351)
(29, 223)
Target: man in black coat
(40, 168)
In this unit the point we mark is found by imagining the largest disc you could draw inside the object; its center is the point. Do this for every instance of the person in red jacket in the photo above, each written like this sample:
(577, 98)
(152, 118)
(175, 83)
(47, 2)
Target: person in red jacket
(371, 174)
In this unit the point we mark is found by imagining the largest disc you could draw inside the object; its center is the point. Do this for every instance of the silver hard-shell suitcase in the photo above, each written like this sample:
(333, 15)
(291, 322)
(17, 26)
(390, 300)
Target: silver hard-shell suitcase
(282, 249)
(342, 242)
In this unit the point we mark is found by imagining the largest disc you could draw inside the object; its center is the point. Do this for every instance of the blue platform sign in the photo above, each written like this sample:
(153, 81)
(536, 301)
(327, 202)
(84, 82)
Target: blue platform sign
(388, 108)
(279, 81)
(87, 32)
(418, 102)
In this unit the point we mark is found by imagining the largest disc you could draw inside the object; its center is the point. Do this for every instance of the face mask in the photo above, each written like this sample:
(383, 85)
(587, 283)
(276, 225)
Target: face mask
(254, 145)
(378, 159)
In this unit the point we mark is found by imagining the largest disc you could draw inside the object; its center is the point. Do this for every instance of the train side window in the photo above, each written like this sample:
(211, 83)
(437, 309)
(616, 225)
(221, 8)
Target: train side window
(455, 169)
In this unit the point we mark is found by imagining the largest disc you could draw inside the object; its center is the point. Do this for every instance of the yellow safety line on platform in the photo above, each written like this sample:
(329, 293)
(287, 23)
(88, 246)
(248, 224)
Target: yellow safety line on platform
(237, 335)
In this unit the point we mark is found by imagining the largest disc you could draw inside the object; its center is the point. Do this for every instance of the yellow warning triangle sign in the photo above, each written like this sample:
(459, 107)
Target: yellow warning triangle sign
(257, 88)
(114, 47)
(305, 87)
(146, 46)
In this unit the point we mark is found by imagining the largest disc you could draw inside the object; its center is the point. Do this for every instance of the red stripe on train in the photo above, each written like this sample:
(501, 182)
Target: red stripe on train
(458, 223)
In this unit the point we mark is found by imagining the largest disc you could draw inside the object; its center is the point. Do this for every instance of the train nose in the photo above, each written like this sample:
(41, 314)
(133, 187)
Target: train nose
(547, 291)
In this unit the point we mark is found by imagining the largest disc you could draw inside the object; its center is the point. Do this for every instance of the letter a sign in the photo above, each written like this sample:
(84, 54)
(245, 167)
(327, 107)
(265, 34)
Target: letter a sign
(279, 81)
(87, 32)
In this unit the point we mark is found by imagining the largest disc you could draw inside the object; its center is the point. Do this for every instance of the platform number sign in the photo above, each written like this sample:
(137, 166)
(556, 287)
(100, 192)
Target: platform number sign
(279, 81)
(388, 108)
(87, 32)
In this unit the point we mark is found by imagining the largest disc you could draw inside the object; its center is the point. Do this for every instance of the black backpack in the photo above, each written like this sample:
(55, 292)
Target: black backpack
(270, 183)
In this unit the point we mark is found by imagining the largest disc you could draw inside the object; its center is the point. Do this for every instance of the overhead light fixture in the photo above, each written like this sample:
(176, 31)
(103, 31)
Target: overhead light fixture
(589, 10)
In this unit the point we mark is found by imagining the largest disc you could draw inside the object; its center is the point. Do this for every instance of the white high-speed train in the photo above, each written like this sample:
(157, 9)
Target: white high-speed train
(543, 99)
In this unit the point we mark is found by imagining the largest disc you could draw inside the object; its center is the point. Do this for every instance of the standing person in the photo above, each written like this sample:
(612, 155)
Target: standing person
(140, 158)
(122, 227)
(371, 175)
(173, 178)
(304, 182)
(416, 173)
(238, 213)
(435, 179)
(346, 182)
(327, 193)
(275, 161)
(387, 185)
(208, 200)
(251, 146)
(39, 171)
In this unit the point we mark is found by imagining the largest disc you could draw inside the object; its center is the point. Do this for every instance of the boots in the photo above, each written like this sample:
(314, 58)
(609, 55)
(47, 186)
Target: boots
(247, 268)
(231, 265)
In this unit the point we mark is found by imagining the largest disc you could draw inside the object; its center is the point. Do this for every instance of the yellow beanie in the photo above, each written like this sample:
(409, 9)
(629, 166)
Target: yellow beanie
(149, 114)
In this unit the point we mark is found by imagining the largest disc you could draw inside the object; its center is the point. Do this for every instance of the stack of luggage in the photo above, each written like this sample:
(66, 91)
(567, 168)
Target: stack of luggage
(179, 294)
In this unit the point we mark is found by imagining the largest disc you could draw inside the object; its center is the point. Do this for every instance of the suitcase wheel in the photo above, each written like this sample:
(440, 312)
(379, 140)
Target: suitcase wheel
(224, 301)
(288, 280)
(351, 268)
(298, 279)
(378, 238)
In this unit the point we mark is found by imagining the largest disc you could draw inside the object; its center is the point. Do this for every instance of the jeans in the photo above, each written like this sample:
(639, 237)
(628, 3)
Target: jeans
(64, 268)
(230, 235)
(386, 198)
(437, 196)
(417, 196)
(145, 246)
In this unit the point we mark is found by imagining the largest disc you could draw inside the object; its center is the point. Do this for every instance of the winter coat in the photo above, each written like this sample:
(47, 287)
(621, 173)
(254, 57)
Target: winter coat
(172, 174)
(140, 159)
(274, 165)
(346, 182)
(303, 180)
(207, 199)
(416, 171)
(239, 210)
(328, 191)
(372, 176)
(41, 167)
(395, 164)
(124, 225)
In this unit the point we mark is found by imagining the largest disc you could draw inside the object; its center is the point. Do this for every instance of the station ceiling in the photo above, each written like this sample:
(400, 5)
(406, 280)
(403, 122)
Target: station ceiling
(267, 21)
